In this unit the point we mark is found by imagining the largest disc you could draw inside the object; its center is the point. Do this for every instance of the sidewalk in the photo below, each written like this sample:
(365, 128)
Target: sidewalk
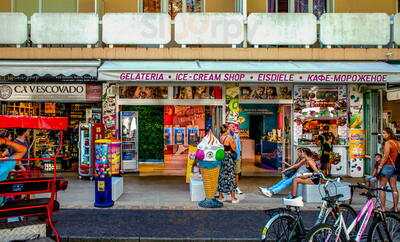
(172, 193)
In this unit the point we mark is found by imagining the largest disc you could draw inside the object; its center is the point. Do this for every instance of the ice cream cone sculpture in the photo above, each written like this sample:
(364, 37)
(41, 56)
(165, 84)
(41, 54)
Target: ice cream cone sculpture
(209, 154)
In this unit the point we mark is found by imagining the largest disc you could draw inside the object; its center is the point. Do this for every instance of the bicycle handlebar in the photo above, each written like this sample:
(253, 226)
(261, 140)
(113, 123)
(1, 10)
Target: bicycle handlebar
(319, 175)
(362, 186)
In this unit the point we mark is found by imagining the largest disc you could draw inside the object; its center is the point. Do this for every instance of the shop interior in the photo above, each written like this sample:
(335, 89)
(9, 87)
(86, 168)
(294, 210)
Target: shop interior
(170, 120)
(265, 128)
(45, 143)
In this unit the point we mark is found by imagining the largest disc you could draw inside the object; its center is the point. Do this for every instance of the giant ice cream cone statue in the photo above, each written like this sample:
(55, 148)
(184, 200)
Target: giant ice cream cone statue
(209, 154)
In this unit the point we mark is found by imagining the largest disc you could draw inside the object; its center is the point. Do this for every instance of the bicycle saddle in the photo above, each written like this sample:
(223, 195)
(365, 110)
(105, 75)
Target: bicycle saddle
(332, 198)
(294, 202)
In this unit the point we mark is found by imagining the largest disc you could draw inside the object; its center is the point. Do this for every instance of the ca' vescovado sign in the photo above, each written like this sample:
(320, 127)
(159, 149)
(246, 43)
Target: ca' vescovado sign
(42, 92)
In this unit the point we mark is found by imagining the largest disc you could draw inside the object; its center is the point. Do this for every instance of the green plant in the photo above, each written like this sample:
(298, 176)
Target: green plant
(151, 135)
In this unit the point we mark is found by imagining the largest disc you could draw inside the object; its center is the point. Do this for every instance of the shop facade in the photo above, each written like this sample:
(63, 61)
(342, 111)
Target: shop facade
(277, 106)
(52, 89)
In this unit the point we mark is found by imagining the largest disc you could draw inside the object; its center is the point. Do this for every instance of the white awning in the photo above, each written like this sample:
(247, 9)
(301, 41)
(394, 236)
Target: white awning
(37, 70)
(250, 71)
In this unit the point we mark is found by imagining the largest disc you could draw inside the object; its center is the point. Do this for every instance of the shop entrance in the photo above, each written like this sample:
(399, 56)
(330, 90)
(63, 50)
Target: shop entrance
(171, 122)
(256, 130)
(265, 128)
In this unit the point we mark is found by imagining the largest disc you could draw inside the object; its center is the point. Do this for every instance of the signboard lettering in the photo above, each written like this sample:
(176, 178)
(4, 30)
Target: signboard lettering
(43, 92)
(248, 77)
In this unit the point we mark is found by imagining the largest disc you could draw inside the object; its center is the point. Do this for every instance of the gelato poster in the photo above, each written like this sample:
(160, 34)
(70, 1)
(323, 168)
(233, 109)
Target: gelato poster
(109, 110)
(357, 143)
(232, 104)
(190, 162)
(356, 108)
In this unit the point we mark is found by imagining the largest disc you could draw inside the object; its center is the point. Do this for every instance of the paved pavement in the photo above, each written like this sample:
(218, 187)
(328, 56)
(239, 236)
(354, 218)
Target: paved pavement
(170, 193)
(163, 225)
(159, 209)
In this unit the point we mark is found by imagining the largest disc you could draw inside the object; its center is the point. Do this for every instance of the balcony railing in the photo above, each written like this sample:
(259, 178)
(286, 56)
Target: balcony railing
(200, 29)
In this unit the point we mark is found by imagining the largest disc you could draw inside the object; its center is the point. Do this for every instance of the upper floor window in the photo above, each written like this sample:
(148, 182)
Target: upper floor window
(318, 7)
(179, 6)
(151, 6)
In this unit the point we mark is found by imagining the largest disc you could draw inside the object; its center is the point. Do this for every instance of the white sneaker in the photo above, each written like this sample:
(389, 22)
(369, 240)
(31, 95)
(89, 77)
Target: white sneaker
(238, 191)
(266, 192)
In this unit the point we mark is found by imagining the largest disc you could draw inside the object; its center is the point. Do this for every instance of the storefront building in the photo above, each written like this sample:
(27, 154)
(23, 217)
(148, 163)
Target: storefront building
(52, 89)
(278, 106)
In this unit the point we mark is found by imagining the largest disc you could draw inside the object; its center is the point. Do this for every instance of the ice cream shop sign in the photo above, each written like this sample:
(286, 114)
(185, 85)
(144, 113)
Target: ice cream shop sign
(250, 77)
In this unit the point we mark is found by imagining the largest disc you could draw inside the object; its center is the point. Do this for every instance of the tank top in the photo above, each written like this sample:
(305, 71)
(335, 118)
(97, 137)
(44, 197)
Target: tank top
(393, 153)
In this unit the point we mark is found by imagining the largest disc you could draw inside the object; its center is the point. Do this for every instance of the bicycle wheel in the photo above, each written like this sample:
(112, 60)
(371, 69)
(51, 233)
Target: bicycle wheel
(323, 233)
(385, 230)
(281, 228)
(348, 213)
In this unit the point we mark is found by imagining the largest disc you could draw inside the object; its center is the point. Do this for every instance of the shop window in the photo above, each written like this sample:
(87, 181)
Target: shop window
(151, 6)
(265, 92)
(59, 6)
(318, 110)
(143, 92)
(198, 92)
(194, 6)
(301, 6)
(280, 6)
(28, 7)
(177, 6)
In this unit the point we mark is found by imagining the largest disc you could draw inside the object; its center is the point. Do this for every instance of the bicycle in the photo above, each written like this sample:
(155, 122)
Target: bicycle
(385, 226)
(288, 224)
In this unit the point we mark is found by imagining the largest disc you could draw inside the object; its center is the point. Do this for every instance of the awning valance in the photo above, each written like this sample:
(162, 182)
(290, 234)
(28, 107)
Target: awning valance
(42, 71)
(28, 122)
(250, 71)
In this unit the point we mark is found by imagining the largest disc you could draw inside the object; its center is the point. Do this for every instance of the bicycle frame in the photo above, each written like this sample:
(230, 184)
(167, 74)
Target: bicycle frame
(365, 212)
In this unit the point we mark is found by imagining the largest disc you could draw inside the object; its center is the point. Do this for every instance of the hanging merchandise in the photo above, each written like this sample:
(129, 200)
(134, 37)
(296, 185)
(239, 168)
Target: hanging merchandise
(209, 154)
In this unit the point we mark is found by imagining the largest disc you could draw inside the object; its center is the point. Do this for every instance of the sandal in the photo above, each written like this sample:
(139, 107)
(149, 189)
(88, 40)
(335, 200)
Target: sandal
(234, 201)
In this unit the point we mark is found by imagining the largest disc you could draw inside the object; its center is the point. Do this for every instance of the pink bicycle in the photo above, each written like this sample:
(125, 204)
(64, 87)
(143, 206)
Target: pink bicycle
(385, 226)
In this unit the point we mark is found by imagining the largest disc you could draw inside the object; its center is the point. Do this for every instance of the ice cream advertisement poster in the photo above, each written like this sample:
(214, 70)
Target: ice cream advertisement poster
(190, 162)
(357, 143)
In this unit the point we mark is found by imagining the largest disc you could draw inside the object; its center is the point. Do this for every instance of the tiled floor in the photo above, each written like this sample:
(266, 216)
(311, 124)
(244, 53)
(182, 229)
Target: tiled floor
(169, 193)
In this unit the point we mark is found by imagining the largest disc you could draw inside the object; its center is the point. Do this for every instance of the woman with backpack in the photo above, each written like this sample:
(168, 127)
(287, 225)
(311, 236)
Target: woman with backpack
(387, 167)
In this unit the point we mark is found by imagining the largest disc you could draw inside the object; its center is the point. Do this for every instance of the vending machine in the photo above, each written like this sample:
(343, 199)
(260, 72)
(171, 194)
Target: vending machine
(88, 133)
(129, 141)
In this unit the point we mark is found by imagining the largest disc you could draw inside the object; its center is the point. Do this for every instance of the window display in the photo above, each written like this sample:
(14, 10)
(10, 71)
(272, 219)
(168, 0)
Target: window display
(198, 92)
(143, 92)
(265, 92)
(318, 110)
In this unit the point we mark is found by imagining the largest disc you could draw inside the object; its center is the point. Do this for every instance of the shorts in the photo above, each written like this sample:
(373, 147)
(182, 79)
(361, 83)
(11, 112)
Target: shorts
(388, 171)
(238, 166)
